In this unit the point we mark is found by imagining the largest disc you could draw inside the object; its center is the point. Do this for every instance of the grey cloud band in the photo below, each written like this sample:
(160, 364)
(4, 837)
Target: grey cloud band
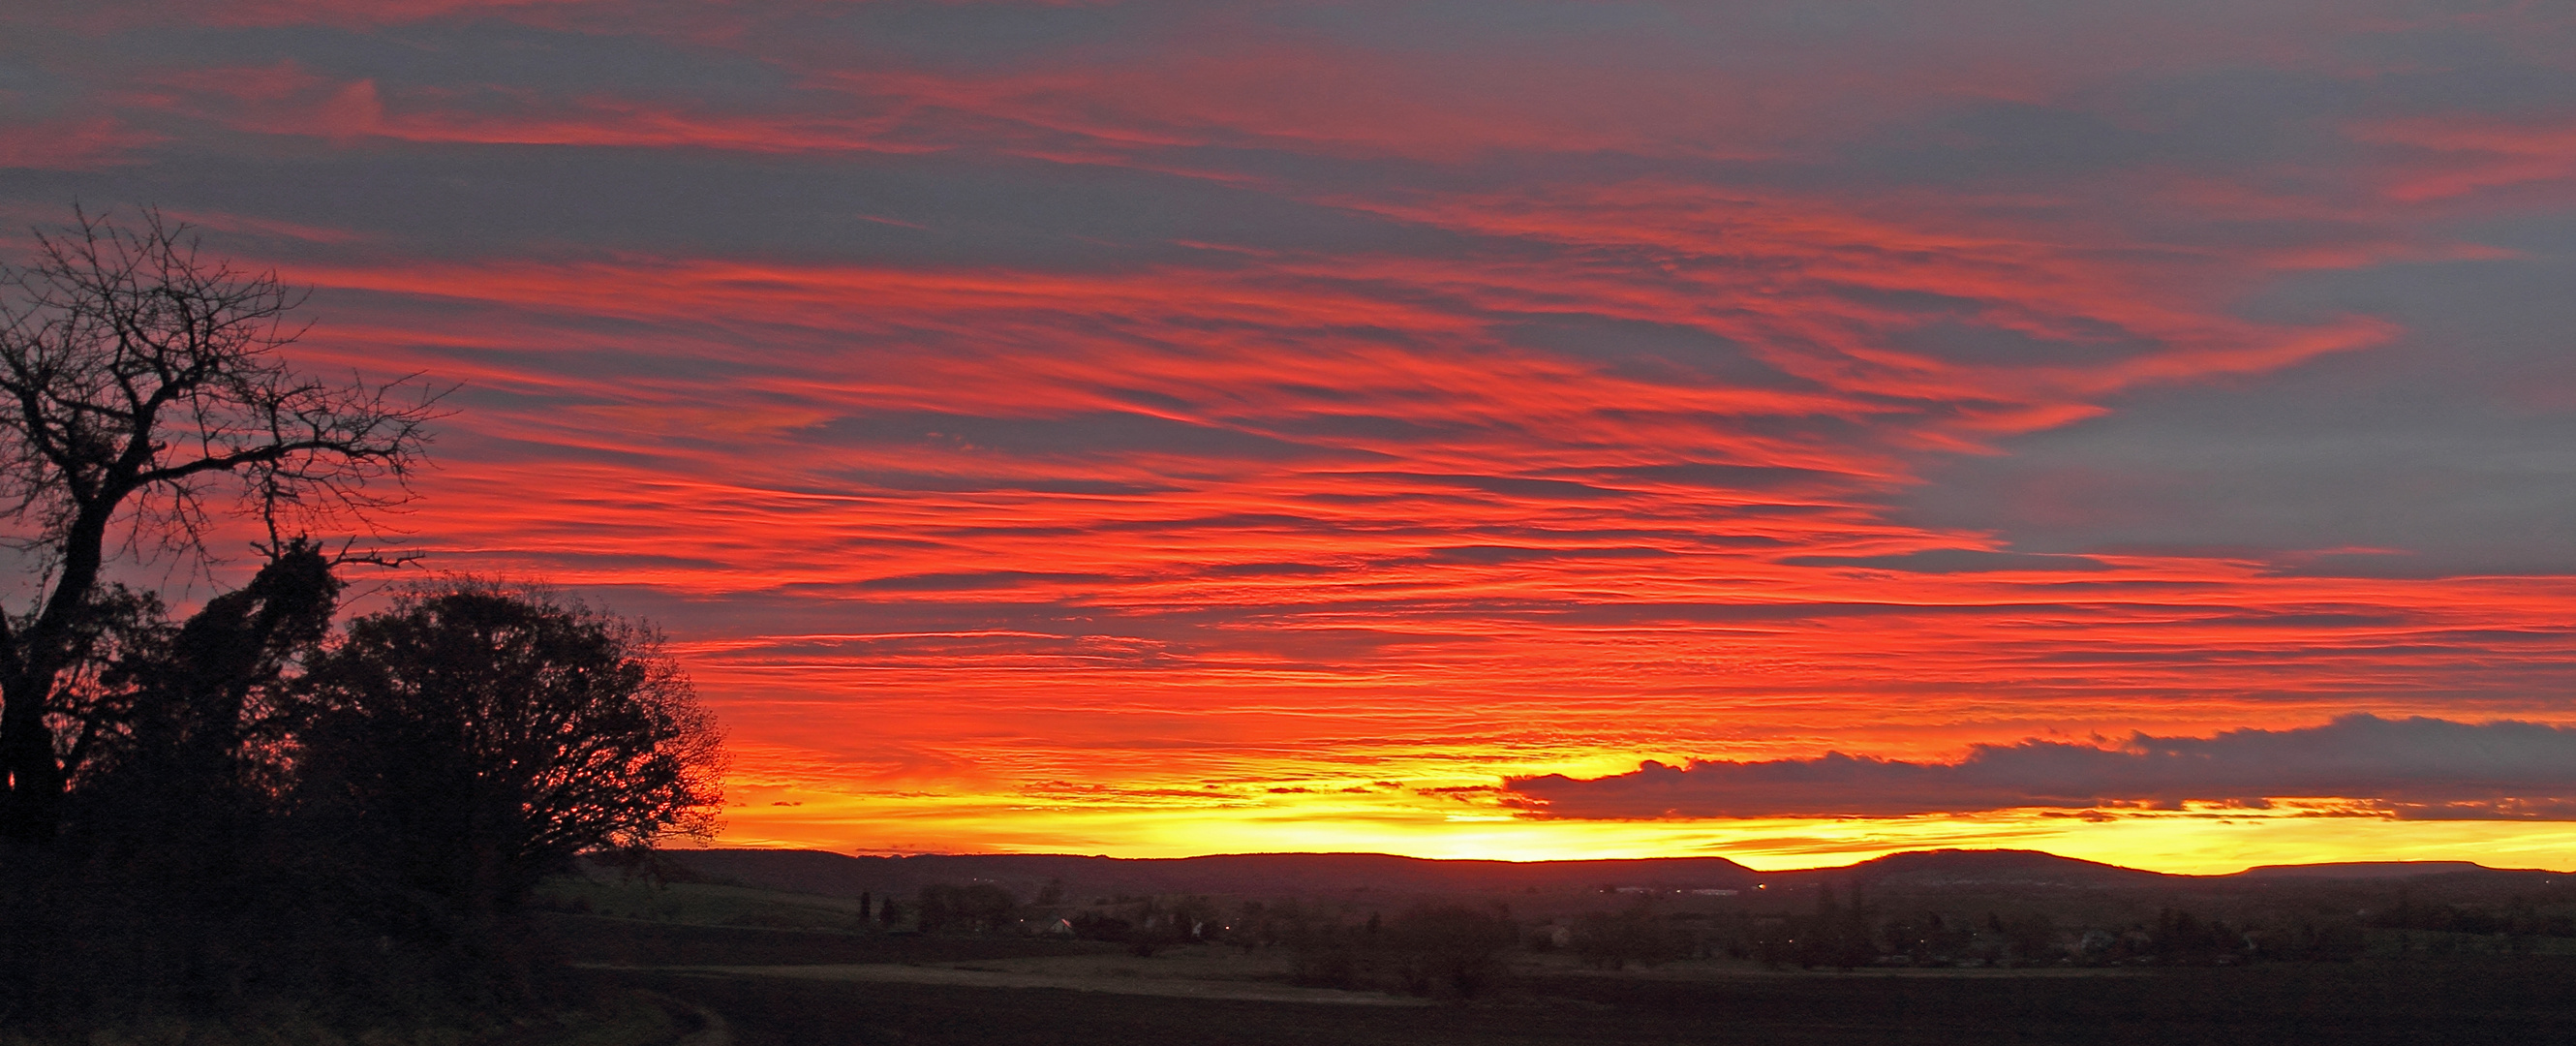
(2412, 768)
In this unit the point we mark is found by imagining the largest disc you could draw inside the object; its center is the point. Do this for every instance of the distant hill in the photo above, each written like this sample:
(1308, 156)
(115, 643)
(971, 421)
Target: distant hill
(1306, 874)
(838, 875)
(2364, 870)
(2028, 869)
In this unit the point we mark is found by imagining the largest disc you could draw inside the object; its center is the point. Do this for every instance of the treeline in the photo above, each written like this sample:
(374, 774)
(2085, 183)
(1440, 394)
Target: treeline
(262, 810)
(1850, 935)
(1846, 932)
(1445, 951)
(258, 810)
(2517, 917)
(1465, 950)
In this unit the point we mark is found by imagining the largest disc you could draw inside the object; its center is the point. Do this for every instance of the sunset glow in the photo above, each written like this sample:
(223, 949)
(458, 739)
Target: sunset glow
(1173, 429)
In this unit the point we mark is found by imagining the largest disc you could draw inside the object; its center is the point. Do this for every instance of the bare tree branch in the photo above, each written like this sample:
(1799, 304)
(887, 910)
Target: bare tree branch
(142, 389)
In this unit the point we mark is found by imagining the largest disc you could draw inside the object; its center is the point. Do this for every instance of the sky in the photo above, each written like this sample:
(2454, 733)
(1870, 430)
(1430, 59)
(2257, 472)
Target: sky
(2144, 431)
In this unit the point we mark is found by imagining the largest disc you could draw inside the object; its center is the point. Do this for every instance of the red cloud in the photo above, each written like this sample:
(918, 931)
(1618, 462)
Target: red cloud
(1585, 443)
(74, 144)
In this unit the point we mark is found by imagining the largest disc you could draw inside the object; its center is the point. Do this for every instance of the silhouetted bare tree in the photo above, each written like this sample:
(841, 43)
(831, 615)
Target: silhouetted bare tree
(474, 739)
(137, 381)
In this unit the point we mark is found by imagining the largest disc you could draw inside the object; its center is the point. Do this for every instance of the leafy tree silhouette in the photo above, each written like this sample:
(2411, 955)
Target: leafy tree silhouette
(1451, 951)
(975, 907)
(196, 750)
(475, 738)
(169, 880)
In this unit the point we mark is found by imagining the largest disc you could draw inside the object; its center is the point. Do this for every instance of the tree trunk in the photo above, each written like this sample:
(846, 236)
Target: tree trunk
(32, 808)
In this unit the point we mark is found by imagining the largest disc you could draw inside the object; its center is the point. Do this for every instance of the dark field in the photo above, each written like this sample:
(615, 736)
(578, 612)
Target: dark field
(2522, 1002)
(635, 942)
(2457, 999)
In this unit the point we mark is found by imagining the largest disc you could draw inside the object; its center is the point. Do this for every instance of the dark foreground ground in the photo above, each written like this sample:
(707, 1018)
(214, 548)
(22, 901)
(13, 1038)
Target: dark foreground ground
(2463, 999)
(2453, 1005)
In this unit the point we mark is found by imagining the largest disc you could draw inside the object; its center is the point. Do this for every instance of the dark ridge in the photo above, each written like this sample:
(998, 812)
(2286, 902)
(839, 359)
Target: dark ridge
(837, 875)
(841, 875)
(2365, 870)
(1950, 868)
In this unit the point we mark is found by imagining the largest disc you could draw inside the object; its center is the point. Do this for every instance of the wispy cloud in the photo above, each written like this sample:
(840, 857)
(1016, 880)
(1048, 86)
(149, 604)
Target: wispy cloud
(1465, 389)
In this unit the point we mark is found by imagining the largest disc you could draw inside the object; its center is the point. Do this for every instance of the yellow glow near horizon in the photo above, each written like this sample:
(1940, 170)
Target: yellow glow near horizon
(1275, 432)
(2193, 842)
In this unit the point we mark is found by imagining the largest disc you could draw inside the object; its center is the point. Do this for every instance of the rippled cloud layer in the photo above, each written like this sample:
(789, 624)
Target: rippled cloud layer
(1198, 411)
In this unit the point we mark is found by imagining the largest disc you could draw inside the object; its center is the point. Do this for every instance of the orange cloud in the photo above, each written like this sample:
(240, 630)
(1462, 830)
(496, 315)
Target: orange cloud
(1370, 420)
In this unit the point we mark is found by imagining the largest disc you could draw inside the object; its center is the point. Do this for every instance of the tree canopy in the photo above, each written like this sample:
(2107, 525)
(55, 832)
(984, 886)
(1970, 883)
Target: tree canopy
(485, 736)
(249, 794)
(142, 389)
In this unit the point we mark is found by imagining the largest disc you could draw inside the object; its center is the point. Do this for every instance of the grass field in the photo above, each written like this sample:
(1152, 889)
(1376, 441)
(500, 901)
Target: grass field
(2452, 1002)
(1006, 990)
